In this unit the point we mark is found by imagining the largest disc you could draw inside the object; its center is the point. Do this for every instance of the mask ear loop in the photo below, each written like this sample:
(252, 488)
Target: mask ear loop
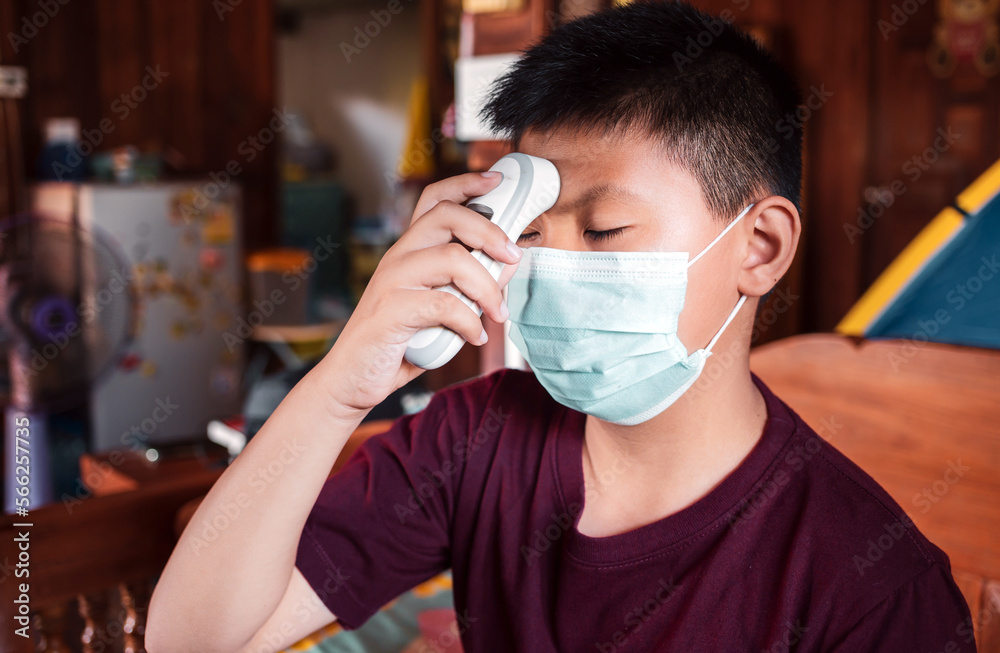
(719, 237)
(729, 319)
(743, 298)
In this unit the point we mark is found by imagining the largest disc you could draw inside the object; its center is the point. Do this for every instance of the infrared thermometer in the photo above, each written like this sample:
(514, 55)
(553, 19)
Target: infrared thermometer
(530, 187)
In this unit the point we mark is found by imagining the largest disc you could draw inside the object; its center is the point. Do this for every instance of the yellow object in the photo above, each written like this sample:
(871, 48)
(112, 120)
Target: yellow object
(938, 233)
(294, 172)
(307, 342)
(220, 226)
(417, 160)
(279, 259)
(484, 6)
(932, 238)
(364, 261)
(148, 369)
(981, 190)
(439, 583)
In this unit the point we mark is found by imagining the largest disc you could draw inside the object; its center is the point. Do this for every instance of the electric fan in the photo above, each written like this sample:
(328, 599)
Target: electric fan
(68, 312)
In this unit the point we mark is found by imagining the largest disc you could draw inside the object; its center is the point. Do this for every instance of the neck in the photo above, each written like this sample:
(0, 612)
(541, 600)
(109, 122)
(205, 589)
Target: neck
(677, 457)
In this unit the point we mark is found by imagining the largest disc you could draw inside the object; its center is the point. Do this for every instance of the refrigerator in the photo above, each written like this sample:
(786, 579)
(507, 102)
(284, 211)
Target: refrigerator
(178, 362)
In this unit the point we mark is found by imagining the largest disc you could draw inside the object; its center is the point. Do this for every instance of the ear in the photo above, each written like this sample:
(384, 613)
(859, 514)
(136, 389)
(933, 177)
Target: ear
(771, 248)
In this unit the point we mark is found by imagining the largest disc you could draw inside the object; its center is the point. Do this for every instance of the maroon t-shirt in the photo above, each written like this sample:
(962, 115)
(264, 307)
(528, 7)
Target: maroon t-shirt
(796, 550)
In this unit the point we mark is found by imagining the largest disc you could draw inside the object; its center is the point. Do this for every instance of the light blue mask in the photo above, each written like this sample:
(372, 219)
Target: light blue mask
(599, 329)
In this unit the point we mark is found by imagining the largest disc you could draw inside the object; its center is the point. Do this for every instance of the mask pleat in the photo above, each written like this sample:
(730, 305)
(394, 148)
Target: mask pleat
(599, 329)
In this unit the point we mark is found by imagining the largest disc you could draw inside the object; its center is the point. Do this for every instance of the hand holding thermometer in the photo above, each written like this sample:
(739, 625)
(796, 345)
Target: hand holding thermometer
(529, 187)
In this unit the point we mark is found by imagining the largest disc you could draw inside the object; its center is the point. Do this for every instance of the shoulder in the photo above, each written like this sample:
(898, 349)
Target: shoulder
(501, 425)
(476, 415)
(496, 397)
(892, 542)
(503, 383)
(863, 547)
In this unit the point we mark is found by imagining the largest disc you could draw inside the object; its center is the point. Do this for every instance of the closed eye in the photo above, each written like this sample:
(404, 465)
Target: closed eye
(593, 235)
(605, 235)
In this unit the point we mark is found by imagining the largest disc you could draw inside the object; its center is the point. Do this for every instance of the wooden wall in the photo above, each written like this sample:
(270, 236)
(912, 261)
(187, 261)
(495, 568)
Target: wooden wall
(218, 90)
(886, 108)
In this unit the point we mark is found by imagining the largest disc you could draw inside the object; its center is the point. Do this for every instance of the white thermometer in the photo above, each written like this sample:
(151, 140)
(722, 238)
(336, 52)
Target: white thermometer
(530, 187)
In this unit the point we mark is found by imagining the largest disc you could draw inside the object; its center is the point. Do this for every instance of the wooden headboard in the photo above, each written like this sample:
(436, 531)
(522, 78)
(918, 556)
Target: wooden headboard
(922, 419)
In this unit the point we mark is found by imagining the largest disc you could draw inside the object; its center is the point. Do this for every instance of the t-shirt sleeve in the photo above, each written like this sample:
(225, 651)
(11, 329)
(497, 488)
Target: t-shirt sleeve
(928, 613)
(381, 524)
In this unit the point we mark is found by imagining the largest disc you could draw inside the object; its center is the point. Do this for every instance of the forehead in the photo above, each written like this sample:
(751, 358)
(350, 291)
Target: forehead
(629, 160)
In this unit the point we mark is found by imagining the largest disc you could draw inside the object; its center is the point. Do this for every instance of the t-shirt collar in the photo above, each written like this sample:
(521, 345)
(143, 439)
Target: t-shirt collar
(711, 511)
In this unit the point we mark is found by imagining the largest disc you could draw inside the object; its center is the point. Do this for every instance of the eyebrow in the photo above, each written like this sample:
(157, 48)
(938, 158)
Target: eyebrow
(605, 191)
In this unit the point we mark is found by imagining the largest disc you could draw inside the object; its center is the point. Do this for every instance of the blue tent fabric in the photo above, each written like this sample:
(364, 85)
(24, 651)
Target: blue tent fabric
(955, 298)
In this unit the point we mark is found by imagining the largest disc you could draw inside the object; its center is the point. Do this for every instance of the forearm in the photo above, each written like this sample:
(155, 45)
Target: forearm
(234, 559)
(232, 565)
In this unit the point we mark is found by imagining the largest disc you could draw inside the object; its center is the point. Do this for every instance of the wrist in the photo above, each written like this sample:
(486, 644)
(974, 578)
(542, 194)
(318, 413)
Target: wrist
(329, 382)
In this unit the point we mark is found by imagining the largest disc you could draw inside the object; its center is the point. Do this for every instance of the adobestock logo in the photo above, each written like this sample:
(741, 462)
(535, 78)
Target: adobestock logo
(437, 479)
(333, 581)
(30, 25)
(363, 36)
(260, 480)
(793, 635)
(959, 296)
(900, 14)
(881, 198)
(714, 26)
(122, 107)
(636, 618)
(544, 539)
(794, 461)
(878, 547)
(135, 438)
(935, 491)
(786, 125)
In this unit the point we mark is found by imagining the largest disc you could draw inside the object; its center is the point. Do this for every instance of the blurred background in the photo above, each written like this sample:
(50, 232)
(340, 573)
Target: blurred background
(196, 192)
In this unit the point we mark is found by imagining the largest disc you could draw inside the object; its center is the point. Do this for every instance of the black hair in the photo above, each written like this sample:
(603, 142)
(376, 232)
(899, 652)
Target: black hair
(710, 94)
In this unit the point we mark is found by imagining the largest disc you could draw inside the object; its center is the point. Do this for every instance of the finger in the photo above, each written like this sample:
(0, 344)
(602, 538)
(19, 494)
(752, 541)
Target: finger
(507, 273)
(455, 189)
(448, 221)
(451, 263)
(419, 309)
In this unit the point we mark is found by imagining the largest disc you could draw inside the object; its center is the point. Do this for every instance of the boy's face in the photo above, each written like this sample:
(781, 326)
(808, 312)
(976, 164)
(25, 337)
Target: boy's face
(628, 189)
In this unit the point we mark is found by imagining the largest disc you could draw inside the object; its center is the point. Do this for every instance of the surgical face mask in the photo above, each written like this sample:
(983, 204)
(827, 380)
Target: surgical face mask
(599, 329)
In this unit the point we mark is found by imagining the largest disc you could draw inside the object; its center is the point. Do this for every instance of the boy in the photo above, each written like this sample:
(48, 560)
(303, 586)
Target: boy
(595, 504)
